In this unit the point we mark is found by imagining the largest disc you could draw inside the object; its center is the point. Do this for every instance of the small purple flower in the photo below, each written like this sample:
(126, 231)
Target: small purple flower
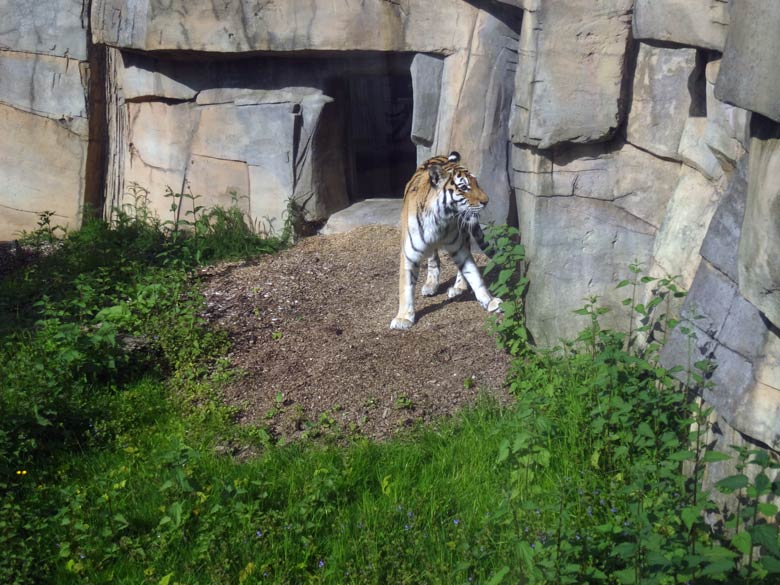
(590, 511)
(259, 534)
(456, 522)
(613, 509)
(409, 514)
(406, 527)
(321, 564)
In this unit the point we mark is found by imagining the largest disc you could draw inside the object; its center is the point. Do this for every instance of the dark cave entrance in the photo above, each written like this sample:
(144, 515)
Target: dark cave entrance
(373, 101)
(381, 155)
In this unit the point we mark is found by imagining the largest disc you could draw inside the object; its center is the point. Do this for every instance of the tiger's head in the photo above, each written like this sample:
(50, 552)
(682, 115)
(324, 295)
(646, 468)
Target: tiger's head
(462, 194)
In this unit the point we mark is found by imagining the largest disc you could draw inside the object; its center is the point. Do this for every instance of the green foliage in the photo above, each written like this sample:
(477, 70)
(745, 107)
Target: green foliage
(507, 257)
(113, 440)
(598, 491)
(83, 318)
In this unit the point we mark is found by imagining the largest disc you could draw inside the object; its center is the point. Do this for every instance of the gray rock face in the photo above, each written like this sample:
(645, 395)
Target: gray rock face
(749, 76)
(561, 279)
(759, 268)
(267, 116)
(43, 113)
(475, 121)
(730, 330)
(570, 72)
(661, 99)
(45, 27)
(685, 224)
(426, 81)
(238, 26)
(574, 204)
(725, 229)
(41, 169)
(727, 128)
(49, 86)
(698, 23)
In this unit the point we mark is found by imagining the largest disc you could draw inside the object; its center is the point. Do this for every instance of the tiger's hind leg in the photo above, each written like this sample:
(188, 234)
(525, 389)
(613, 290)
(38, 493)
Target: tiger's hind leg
(432, 278)
(407, 279)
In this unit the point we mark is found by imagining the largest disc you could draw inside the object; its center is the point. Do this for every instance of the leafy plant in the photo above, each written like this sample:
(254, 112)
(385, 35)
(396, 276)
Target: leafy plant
(507, 256)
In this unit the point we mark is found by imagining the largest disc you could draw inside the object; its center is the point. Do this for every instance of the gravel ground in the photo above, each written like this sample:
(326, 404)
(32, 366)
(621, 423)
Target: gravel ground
(310, 328)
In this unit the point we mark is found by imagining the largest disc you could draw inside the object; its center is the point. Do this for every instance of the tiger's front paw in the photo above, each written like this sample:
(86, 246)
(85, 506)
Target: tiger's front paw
(428, 290)
(454, 291)
(494, 306)
(401, 323)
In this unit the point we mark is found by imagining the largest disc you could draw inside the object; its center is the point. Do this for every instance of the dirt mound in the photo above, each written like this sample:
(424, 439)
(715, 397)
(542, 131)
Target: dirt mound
(310, 326)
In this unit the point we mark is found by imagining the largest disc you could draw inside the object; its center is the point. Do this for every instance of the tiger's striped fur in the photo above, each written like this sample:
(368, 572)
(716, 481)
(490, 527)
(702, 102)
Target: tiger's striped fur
(441, 209)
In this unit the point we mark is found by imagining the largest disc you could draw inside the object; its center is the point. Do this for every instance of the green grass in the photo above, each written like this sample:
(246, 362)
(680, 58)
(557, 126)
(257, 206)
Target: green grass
(117, 465)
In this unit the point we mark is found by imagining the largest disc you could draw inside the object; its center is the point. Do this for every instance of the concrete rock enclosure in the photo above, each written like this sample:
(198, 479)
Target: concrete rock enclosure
(612, 132)
(307, 100)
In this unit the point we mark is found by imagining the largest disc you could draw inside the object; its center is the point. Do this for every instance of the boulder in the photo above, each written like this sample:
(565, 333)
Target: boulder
(709, 299)
(569, 79)
(724, 327)
(768, 363)
(375, 211)
(697, 23)
(254, 148)
(759, 269)
(749, 76)
(661, 99)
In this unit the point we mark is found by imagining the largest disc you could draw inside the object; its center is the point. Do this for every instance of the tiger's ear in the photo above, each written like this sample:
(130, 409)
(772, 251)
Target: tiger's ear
(436, 174)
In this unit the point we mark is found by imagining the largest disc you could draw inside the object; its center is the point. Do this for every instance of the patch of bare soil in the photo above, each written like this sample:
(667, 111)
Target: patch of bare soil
(310, 327)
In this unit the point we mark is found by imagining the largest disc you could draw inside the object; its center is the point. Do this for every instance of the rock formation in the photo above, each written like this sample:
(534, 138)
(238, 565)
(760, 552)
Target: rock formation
(622, 131)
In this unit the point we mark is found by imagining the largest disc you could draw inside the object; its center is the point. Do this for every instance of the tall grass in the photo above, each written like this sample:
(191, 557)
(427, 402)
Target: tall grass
(117, 455)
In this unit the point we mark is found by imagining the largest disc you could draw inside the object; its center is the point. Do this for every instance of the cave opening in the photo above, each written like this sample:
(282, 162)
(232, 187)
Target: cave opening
(373, 101)
(381, 154)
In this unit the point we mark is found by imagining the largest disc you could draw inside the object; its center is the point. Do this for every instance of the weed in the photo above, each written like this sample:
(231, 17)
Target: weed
(507, 255)
(403, 402)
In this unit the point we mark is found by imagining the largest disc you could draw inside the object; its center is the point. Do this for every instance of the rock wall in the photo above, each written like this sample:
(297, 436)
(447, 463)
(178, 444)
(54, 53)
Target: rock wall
(44, 126)
(681, 176)
(613, 132)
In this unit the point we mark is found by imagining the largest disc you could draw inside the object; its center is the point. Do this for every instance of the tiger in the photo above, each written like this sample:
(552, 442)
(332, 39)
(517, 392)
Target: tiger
(441, 207)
